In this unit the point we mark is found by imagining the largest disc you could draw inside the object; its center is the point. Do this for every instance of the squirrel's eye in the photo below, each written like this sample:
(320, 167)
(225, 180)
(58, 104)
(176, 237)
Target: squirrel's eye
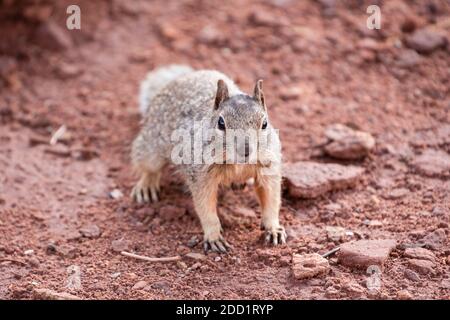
(221, 124)
(264, 125)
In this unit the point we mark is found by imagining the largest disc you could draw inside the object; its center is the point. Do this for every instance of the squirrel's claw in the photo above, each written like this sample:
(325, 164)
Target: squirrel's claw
(144, 195)
(220, 245)
(275, 236)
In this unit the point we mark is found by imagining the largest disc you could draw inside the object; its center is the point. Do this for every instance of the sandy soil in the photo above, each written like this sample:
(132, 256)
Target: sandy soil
(321, 66)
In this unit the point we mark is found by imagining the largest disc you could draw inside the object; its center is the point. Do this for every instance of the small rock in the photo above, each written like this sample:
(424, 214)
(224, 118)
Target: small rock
(365, 253)
(263, 18)
(211, 35)
(140, 285)
(420, 253)
(90, 231)
(28, 252)
(353, 288)
(412, 275)
(193, 242)
(67, 71)
(426, 41)
(65, 250)
(373, 223)
(290, 93)
(397, 193)
(335, 234)
(347, 143)
(181, 265)
(116, 194)
(195, 266)
(404, 295)
(195, 256)
(421, 266)
(445, 284)
(332, 292)
(120, 245)
(432, 163)
(170, 213)
(34, 262)
(310, 180)
(48, 294)
(309, 265)
(438, 211)
(408, 59)
(434, 240)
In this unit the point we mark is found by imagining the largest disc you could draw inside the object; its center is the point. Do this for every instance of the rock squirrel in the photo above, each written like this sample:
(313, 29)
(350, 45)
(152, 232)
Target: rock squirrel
(178, 101)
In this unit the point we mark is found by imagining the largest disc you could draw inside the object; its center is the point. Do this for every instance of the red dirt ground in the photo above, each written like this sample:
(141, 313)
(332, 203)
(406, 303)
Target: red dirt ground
(91, 87)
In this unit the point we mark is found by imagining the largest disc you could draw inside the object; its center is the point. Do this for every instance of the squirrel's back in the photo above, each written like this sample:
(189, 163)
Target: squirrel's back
(179, 86)
(156, 79)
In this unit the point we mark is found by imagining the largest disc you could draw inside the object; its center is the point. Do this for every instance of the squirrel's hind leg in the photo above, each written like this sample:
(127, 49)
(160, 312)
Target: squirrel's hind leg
(147, 188)
(148, 164)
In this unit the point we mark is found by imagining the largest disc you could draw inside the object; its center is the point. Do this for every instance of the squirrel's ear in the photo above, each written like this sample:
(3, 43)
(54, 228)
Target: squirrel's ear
(258, 94)
(222, 93)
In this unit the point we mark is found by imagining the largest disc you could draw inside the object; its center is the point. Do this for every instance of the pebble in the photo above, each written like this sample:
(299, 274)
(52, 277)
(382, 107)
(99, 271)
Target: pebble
(90, 231)
(48, 294)
(432, 163)
(408, 59)
(404, 295)
(310, 179)
(420, 253)
(140, 285)
(434, 240)
(348, 144)
(412, 275)
(335, 234)
(421, 266)
(365, 253)
(120, 245)
(116, 194)
(309, 265)
(397, 193)
(193, 242)
(426, 41)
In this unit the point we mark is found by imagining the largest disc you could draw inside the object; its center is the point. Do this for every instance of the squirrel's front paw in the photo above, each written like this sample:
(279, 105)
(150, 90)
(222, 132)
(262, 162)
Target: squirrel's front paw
(144, 192)
(274, 235)
(218, 244)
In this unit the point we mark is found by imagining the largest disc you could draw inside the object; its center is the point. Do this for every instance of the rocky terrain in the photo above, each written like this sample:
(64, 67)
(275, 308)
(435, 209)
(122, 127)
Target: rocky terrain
(364, 122)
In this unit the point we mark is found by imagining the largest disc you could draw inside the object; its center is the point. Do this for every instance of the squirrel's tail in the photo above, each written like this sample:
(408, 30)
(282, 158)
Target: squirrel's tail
(156, 80)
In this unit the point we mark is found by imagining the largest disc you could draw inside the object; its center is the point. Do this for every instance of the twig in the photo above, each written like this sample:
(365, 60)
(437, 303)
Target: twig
(149, 259)
(13, 260)
(329, 253)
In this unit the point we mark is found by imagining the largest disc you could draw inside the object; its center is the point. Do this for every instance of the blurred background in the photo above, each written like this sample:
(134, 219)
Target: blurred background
(321, 66)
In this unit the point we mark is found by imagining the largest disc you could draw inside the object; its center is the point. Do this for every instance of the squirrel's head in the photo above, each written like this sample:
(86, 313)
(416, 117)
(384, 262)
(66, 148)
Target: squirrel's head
(242, 115)
(240, 111)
